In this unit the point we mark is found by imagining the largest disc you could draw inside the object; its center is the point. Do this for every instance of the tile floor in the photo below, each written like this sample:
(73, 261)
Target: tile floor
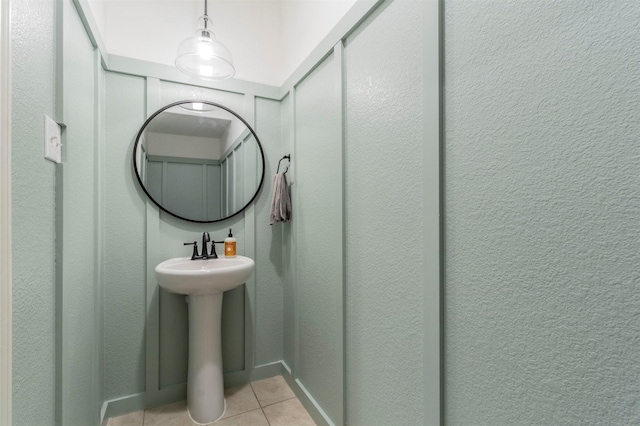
(268, 402)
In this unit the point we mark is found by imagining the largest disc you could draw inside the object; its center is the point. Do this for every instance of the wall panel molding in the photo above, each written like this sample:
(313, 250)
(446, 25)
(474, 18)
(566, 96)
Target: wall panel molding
(433, 60)
(91, 27)
(307, 400)
(152, 221)
(163, 72)
(250, 251)
(5, 215)
(98, 161)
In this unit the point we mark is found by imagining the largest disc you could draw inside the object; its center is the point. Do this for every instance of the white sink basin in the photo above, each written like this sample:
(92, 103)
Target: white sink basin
(185, 276)
(204, 281)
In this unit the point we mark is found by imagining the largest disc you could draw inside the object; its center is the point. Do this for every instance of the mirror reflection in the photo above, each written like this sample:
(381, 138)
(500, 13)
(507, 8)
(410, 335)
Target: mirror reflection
(199, 161)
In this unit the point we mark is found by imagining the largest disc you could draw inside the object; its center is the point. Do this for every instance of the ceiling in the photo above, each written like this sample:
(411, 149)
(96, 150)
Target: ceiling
(183, 124)
(267, 38)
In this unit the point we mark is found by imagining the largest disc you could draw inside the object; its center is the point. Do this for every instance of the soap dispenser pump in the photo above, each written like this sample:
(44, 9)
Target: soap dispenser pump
(230, 245)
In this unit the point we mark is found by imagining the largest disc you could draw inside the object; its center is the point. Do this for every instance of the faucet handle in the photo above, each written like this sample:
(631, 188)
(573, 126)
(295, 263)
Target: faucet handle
(213, 253)
(195, 249)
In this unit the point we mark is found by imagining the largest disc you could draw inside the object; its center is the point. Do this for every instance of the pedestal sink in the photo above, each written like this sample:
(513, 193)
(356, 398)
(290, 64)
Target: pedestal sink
(204, 281)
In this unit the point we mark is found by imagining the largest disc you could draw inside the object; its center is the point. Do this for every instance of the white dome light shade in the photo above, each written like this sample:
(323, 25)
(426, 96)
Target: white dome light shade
(204, 57)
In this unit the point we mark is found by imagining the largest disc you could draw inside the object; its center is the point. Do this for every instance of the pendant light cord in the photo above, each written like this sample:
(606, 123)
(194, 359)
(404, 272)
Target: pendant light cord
(206, 16)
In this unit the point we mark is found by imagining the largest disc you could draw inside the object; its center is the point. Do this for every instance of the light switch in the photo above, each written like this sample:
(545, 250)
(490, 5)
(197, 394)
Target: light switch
(52, 140)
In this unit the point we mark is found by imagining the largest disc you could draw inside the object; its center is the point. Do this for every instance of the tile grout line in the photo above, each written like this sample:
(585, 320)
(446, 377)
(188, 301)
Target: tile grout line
(259, 404)
(235, 415)
(265, 416)
(274, 403)
(144, 412)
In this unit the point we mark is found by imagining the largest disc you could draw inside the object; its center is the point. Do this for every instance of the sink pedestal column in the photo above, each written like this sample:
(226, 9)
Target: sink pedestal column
(205, 386)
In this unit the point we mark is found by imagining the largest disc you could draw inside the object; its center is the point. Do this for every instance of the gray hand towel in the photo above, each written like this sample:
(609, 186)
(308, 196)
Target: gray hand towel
(281, 203)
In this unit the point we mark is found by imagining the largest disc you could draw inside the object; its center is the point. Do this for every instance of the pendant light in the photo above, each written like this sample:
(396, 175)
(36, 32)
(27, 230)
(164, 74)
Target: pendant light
(198, 107)
(203, 56)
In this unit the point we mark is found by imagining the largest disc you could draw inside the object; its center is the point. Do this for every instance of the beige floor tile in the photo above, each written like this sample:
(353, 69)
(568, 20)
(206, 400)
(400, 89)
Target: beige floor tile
(132, 419)
(240, 400)
(168, 415)
(251, 418)
(288, 413)
(272, 390)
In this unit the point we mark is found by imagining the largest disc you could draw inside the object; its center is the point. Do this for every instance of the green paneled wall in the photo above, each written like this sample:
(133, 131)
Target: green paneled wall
(384, 225)
(213, 189)
(384, 206)
(33, 212)
(543, 212)
(384, 217)
(319, 227)
(129, 357)
(269, 296)
(186, 183)
(77, 389)
(292, 308)
(124, 244)
(173, 233)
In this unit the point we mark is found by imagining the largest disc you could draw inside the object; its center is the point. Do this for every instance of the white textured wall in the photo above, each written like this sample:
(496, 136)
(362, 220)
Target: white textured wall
(168, 145)
(267, 38)
(153, 30)
(33, 212)
(542, 196)
(303, 25)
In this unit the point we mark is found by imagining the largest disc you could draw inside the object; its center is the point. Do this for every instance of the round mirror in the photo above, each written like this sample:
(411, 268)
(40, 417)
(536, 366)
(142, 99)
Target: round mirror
(199, 161)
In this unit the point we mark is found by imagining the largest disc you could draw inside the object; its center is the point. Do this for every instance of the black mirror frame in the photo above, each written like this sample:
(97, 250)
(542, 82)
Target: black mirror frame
(166, 107)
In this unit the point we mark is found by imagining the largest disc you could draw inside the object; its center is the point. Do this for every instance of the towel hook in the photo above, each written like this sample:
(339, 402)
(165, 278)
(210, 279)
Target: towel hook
(288, 157)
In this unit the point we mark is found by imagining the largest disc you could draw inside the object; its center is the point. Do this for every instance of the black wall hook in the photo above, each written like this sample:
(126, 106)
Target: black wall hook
(288, 157)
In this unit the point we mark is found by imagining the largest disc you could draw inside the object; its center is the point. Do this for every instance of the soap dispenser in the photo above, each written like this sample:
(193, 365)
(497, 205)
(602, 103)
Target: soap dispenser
(230, 245)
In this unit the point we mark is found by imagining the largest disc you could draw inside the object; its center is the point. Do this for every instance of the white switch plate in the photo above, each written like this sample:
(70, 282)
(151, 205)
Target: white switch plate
(52, 140)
